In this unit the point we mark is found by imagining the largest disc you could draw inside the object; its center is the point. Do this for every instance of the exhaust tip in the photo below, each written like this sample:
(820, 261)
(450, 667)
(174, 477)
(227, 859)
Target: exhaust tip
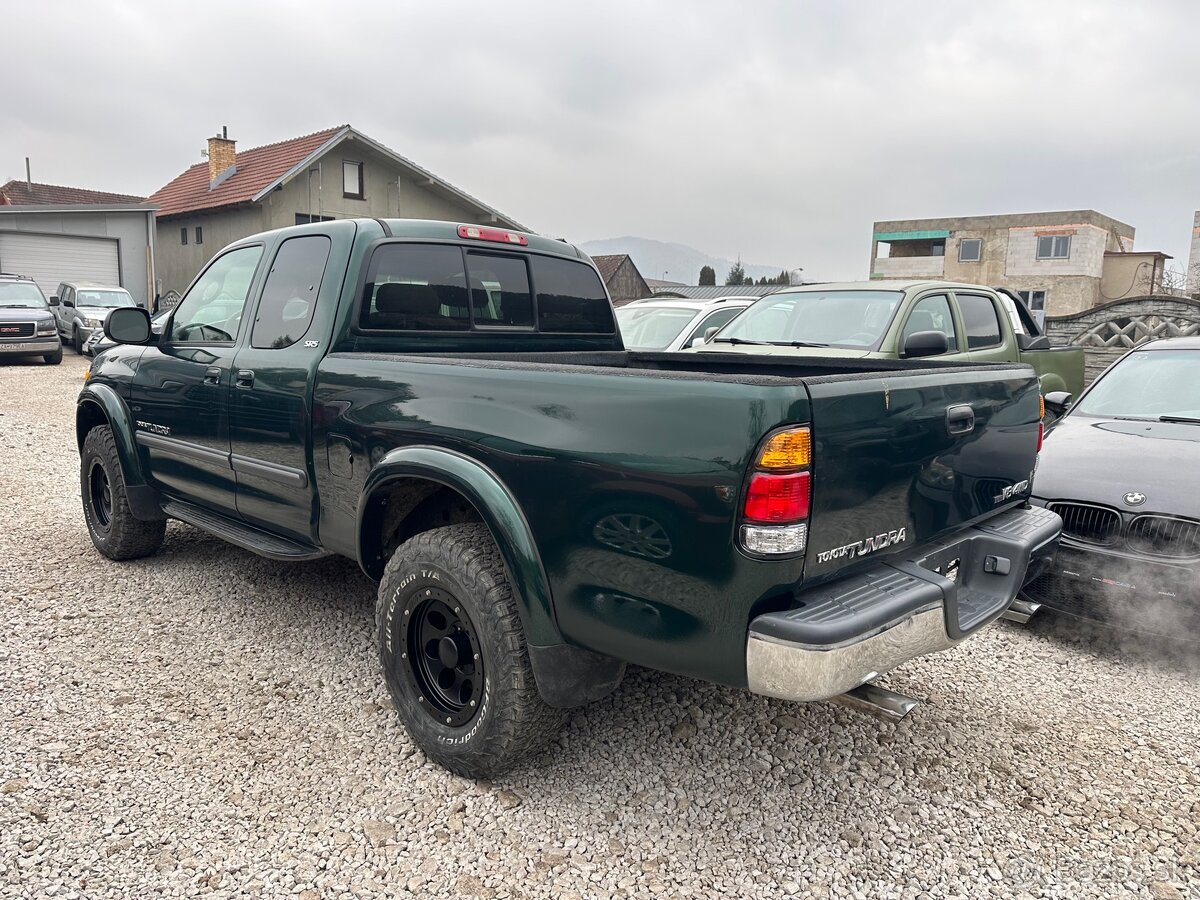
(1021, 611)
(877, 701)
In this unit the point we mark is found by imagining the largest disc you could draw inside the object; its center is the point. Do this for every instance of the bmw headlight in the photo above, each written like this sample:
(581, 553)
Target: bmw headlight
(46, 327)
(94, 323)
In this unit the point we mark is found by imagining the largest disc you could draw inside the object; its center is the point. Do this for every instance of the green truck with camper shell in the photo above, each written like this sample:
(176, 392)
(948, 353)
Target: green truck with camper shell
(452, 407)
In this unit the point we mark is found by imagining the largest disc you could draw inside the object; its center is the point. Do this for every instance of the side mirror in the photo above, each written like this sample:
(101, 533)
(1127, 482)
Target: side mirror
(54, 301)
(128, 325)
(69, 304)
(1058, 402)
(710, 333)
(924, 343)
(698, 342)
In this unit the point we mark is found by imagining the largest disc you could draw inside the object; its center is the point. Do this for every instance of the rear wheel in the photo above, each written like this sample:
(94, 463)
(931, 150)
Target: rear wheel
(115, 531)
(454, 654)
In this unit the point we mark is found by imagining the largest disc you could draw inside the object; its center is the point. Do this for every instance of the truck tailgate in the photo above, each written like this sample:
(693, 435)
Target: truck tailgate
(902, 458)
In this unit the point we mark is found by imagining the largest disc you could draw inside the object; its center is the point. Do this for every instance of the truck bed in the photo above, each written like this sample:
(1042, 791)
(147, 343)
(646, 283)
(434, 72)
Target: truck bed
(630, 468)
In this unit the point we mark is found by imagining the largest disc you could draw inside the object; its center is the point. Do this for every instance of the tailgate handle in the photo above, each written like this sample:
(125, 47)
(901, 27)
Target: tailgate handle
(960, 420)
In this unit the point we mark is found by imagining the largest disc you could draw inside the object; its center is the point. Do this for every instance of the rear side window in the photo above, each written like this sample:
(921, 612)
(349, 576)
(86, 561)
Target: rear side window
(416, 287)
(289, 297)
(500, 292)
(570, 297)
(980, 321)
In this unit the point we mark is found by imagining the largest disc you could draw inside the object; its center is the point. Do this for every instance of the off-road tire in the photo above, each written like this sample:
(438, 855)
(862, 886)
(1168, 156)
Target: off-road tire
(54, 358)
(511, 721)
(76, 343)
(114, 529)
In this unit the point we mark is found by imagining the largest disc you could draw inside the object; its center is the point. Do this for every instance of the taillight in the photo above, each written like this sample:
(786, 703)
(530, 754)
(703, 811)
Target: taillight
(778, 496)
(1041, 421)
(499, 235)
(777, 499)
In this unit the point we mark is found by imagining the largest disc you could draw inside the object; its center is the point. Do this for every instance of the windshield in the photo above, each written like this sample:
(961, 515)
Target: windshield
(1147, 385)
(21, 295)
(828, 318)
(652, 328)
(103, 299)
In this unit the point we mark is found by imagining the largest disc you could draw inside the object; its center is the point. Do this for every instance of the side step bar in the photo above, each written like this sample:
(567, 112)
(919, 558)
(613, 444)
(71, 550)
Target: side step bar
(1021, 611)
(877, 701)
(245, 536)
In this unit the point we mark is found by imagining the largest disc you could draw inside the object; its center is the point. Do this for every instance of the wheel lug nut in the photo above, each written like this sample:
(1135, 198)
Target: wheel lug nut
(477, 656)
(472, 702)
(457, 610)
(404, 656)
(447, 721)
(420, 699)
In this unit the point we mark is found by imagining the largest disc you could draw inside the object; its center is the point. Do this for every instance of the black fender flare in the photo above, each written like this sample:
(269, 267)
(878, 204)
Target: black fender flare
(566, 675)
(100, 404)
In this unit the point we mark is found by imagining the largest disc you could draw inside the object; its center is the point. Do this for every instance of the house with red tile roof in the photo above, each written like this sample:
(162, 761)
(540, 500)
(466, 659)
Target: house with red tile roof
(332, 174)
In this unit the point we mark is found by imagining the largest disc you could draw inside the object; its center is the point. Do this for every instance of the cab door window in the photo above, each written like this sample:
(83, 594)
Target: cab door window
(212, 310)
(289, 297)
(932, 314)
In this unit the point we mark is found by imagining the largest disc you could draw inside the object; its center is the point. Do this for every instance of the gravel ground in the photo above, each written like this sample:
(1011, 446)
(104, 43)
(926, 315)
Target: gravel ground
(208, 723)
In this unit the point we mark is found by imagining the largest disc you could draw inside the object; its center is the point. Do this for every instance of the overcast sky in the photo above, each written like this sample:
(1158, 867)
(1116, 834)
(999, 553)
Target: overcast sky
(774, 130)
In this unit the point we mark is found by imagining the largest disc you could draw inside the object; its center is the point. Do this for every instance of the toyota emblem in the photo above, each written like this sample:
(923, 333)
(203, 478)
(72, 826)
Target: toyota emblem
(1135, 498)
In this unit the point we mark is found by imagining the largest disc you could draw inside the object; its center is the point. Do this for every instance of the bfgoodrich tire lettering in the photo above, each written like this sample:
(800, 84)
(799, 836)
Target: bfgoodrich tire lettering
(113, 528)
(459, 567)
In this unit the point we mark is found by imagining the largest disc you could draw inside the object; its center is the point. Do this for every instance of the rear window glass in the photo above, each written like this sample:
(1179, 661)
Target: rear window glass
(416, 287)
(570, 297)
(979, 321)
(500, 292)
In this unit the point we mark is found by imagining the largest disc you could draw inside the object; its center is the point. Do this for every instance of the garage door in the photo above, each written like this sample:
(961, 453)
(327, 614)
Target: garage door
(53, 258)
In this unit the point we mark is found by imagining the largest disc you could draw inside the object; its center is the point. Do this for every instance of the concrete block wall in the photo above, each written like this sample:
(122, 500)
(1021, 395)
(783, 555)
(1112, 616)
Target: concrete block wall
(909, 267)
(1088, 244)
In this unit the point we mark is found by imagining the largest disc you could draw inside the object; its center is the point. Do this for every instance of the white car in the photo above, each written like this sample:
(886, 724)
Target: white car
(675, 323)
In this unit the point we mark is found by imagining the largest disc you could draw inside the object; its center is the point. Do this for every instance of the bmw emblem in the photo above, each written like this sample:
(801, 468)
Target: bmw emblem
(1135, 498)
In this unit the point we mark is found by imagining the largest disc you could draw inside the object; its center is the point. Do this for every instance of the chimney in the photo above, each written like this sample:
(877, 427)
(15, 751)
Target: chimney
(222, 156)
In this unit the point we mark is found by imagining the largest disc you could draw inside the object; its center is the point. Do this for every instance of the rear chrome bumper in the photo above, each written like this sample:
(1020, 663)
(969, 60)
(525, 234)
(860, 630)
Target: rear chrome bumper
(852, 630)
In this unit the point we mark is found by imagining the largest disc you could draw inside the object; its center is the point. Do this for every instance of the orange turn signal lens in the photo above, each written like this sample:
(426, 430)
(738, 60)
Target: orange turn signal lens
(1041, 407)
(787, 450)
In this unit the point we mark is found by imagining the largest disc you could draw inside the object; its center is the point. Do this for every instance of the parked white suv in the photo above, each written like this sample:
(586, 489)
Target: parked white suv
(80, 308)
(675, 323)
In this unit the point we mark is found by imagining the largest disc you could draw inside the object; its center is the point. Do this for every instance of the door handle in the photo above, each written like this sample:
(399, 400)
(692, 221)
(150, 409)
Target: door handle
(960, 420)
(212, 375)
(245, 378)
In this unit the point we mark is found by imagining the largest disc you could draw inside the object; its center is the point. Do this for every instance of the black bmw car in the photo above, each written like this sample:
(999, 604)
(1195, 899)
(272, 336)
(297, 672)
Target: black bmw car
(1122, 468)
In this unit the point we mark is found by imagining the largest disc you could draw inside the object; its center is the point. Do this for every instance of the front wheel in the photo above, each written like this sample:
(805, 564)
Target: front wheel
(54, 358)
(454, 654)
(76, 343)
(115, 531)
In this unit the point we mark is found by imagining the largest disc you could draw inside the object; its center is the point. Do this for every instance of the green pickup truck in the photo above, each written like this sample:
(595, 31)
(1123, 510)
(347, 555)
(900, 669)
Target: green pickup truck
(452, 407)
(963, 323)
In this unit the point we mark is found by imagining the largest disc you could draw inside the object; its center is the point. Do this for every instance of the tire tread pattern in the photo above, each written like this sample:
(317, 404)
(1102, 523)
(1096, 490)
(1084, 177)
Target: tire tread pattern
(522, 723)
(129, 537)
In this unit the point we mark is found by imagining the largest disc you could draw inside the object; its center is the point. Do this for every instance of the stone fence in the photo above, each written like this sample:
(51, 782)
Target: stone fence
(1107, 332)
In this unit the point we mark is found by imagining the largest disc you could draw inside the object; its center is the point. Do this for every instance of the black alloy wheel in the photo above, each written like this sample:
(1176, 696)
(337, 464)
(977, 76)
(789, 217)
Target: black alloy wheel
(442, 658)
(100, 494)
